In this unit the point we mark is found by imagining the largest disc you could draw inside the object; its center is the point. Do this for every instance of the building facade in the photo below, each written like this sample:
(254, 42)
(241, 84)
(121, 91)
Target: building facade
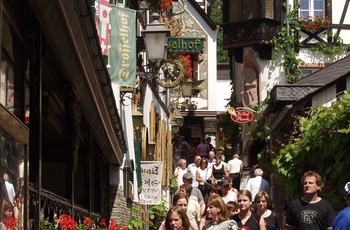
(60, 128)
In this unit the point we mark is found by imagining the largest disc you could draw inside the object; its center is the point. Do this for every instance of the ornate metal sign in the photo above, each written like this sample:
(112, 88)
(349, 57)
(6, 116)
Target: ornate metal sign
(241, 114)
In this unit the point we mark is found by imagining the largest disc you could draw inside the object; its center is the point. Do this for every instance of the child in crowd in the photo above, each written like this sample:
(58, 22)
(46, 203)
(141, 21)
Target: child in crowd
(232, 208)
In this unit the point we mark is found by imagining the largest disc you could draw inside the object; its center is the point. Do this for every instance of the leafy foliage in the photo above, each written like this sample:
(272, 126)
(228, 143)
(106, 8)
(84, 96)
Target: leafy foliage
(287, 39)
(215, 13)
(322, 145)
(157, 214)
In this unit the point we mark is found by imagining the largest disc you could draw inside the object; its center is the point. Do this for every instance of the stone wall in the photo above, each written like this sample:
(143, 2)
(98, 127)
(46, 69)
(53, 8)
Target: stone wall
(120, 213)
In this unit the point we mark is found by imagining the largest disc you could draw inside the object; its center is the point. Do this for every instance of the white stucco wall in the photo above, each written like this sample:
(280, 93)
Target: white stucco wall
(223, 87)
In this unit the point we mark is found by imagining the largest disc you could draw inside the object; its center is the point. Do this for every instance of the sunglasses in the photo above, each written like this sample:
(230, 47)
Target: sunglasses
(204, 162)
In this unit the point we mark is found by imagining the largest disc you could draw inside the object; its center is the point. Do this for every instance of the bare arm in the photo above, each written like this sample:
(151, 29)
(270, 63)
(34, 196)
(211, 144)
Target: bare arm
(198, 178)
(226, 174)
(262, 225)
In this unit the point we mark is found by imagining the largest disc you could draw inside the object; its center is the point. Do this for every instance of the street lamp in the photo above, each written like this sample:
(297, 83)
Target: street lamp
(179, 120)
(137, 119)
(155, 37)
(186, 88)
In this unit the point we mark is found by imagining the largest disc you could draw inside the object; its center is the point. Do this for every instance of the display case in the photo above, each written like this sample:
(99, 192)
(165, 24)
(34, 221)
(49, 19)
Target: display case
(14, 138)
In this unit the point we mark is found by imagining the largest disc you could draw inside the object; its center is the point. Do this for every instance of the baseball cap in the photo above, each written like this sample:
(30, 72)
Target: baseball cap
(187, 176)
(346, 191)
(224, 182)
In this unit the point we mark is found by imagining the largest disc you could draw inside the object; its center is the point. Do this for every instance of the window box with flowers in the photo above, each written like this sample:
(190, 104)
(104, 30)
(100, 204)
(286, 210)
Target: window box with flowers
(315, 25)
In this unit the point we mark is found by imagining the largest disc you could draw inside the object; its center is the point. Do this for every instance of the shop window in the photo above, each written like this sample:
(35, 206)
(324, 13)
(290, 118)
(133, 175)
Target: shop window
(14, 138)
(7, 85)
(312, 8)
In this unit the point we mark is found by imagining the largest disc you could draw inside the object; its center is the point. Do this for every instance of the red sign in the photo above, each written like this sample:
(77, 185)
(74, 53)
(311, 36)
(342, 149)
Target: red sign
(242, 116)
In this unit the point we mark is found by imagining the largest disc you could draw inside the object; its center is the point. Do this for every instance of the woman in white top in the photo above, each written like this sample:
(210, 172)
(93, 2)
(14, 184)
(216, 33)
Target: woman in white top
(203, 176)
(180, 171)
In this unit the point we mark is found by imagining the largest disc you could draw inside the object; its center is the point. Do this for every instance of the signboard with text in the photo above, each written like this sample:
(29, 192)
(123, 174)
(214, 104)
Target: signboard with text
(241, 114)
(185, 44)
(151, 174)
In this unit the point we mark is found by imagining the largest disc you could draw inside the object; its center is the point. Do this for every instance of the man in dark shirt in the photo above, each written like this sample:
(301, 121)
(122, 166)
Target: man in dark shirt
(310, 211)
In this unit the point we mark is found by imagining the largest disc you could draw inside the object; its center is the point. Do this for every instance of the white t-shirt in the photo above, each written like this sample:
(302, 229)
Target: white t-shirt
(180, 172)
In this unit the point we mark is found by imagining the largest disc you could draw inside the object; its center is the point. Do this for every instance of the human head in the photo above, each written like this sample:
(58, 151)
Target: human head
(244, 199)
(208, 140)
(215, 189)
(211, 155)
(232, 208)
(262, 200)
(6, 177)
(204, 162)
(311, 182)
(187, 178)
(181, 200)
(186, 189)
(6, 209)
(203, 140)
(177, 219)
(216, 207)
(311, 174)
(258, 172)
(182, 163)
(346, 191)
(225, 186)
(236, 156)
(182, 138)
(218, 158)
(197, 160)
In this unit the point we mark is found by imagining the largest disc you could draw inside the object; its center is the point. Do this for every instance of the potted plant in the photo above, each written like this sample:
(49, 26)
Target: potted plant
(315, 25)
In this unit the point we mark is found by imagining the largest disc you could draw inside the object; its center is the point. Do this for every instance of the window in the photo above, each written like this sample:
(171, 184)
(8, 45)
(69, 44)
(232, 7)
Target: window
(311, 8)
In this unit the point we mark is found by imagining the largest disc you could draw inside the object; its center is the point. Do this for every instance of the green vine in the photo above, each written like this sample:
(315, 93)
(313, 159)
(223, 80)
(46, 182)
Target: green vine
(322, 144)
(287, 40)
(336, 48)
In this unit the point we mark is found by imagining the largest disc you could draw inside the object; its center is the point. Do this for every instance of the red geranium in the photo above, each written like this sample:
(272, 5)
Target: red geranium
(67, 222)
(187, 63)
(11, 223)
(315, 24)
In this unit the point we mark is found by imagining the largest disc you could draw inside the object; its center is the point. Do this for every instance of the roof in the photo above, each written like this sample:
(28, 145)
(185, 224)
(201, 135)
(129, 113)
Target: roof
(202, 13)
(328, 74)
(311, 84)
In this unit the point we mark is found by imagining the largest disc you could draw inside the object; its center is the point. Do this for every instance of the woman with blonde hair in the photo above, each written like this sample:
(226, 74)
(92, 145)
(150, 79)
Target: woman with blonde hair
(246, 219)
(177, 219)
(180, 171)
(262, 202)
(217, 213)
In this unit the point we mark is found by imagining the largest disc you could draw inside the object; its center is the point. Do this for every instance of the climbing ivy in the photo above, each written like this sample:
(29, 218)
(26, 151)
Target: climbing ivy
(287, 40)
(322, 145)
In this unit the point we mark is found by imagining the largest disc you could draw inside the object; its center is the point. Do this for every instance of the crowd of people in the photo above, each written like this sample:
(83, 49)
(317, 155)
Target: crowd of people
(213, 198)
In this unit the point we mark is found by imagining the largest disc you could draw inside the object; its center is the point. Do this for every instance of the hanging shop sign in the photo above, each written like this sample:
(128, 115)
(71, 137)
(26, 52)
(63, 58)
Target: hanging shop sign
(186, 44)
(151, 174)
(241, 114)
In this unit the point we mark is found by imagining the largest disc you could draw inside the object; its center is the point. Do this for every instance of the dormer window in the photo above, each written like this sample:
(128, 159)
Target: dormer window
(312, 8)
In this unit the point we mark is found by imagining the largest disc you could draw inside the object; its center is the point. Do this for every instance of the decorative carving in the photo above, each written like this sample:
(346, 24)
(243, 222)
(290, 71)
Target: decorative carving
(250, 92)
(171, 68)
